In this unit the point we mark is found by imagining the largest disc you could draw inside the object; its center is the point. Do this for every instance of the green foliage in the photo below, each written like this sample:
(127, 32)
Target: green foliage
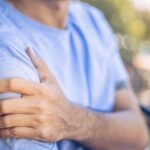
(122, 16)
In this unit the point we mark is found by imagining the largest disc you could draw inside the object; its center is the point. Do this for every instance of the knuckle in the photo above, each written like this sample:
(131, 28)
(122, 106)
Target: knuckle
(3, 122)
(13, 131)
(41, 119)
(49, 134)
(43, 106)
(40, 106)
(11, 82)
(39, 63)
(3, 108)
(44, 89)
(44, 133)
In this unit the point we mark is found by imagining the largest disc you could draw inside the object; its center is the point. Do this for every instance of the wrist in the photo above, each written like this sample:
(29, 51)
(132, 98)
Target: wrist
(79, 124)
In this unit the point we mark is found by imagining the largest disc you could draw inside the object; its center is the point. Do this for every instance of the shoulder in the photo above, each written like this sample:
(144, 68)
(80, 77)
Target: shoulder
(12, 48)
(83, 12)
(91, 19)
(80, 9)
(10, 36)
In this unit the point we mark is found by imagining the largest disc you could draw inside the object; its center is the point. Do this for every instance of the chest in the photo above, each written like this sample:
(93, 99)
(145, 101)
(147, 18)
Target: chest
(81, 67)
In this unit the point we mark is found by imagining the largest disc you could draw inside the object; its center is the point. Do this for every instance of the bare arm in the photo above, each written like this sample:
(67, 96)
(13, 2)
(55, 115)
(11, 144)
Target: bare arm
(122, 129)
(45, 114)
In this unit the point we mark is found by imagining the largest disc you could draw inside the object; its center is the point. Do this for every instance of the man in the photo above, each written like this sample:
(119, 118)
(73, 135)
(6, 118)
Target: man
(71, 91)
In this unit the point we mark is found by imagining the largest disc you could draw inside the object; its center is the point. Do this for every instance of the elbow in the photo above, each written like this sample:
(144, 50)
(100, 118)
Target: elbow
(140, 142)
(143, 139)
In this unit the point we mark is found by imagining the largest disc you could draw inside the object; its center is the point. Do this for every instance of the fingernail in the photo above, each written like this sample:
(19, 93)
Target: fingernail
(29, 51)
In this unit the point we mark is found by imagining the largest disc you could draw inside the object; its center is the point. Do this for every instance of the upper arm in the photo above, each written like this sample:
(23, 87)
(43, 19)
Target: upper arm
(125, 97)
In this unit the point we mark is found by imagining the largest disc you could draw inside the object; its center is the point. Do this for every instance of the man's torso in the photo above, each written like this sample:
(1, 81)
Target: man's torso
(79, 57)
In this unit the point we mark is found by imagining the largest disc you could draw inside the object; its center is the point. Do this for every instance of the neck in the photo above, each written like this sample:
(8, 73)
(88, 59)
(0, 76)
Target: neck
(50, 12)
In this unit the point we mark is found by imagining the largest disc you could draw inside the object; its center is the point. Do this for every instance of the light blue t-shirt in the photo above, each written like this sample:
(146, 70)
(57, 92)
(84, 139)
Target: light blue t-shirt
(84, 58)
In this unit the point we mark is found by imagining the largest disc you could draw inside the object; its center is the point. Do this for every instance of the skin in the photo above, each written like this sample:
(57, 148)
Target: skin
(44, 113)
(50, 12)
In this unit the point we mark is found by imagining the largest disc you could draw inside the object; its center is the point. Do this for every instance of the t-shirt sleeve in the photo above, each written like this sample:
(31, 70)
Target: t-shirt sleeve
(117, 66)
(108, 38)
(119, 70)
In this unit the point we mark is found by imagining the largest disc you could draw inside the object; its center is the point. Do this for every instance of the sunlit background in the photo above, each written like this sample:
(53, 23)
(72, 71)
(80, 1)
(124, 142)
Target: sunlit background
(142, 4)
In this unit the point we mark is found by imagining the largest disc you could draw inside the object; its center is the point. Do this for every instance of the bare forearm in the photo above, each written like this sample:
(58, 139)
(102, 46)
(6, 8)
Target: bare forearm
(122, 130)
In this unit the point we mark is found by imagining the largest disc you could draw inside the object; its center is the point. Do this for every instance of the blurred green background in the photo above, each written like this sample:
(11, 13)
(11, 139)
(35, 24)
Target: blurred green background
(132, 27)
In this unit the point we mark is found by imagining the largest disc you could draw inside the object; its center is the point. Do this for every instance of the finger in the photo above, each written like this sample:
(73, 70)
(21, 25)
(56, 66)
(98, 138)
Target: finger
(41, 67)
(19, 132)
(19, 85)
(17, 120)
(18, 106)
